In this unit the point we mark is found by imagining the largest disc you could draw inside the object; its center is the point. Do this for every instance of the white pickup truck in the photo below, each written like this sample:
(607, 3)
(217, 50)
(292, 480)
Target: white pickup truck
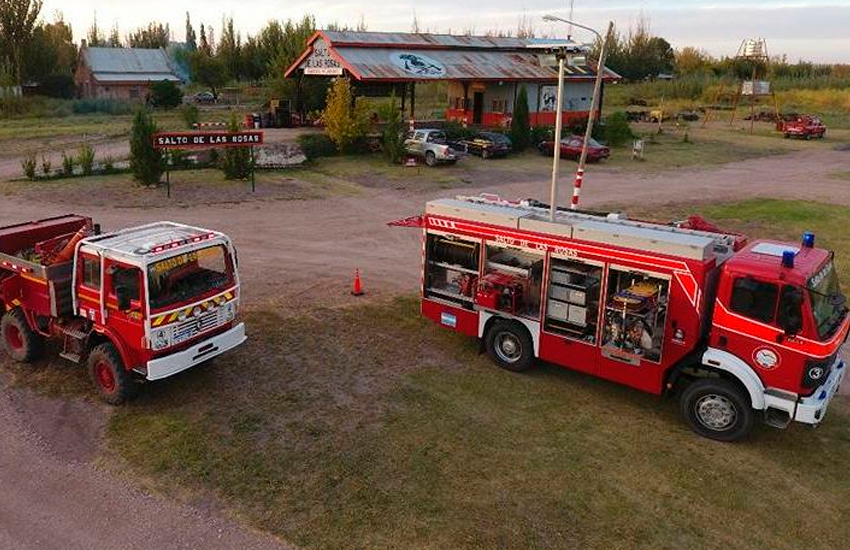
(430, 144)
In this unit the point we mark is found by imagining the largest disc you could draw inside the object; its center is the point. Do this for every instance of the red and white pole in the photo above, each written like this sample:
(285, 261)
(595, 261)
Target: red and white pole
(577, 188)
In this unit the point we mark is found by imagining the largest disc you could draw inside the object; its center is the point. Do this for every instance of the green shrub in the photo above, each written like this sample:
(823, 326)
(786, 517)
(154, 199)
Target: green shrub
(316, 145)
(236, 162)
(46, 166)
(616, 129)
(108, 164)
(540, 133)
(191, 115)
(454, 130)
(165, 95)
(106, 106)
(346, 119)
(85, 158)
(146, 163)
(392, 138)
(60, 86)
(67, 165)
(520, 126)
(28, 164)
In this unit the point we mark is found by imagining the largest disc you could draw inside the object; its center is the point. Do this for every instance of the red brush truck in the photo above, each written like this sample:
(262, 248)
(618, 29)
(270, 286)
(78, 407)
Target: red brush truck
(737, 329)
(140, 303)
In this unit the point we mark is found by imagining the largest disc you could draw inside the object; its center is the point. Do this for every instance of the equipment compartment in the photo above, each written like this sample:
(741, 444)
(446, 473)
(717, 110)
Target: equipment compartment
(451, 272)
(573, 299)
(635, 313)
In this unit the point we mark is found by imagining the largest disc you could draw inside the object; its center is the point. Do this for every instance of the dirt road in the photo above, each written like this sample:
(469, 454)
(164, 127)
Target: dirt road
(50, 503)
(307, 250)
(301, 253)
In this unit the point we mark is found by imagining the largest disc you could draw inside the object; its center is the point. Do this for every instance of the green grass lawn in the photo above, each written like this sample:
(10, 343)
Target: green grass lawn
(369, 427)
(188, 187)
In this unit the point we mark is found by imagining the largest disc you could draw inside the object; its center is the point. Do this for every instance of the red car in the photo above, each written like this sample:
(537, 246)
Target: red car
(804, 126)
(571, 148)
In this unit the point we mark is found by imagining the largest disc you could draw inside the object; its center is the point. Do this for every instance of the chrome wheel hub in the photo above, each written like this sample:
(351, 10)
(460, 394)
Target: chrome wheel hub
(508, 347)
(715, 412)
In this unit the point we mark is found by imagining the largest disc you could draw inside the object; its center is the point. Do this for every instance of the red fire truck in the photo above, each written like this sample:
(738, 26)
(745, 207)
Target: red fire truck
(737, 329)
(140, 303)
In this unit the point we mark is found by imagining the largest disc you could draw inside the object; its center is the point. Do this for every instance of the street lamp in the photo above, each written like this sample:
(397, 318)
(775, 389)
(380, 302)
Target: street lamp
(590, 119)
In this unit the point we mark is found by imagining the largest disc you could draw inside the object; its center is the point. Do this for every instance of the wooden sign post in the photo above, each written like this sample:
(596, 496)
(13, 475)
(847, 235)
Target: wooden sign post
(167, 141)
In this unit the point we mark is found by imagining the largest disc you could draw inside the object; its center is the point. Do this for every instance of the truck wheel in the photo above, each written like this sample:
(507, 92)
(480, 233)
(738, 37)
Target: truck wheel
(19, 340)
(510, 346)
(112, 381)
(717, 409)
(430, 158)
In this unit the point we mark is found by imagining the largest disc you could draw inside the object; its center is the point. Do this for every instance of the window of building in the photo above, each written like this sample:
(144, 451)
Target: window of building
(754, 299)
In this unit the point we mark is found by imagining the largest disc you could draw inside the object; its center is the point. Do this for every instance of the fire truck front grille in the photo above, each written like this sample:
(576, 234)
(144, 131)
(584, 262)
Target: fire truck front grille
(193, 327)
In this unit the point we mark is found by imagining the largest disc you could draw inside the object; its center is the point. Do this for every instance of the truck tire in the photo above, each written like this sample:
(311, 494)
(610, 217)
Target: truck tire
(430, 158)
(717, 409)
(510, 346)
(19, 340)
(113, 383)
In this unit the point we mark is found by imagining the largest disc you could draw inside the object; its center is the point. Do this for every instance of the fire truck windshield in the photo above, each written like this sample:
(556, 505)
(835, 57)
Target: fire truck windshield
(828, 303)
(189, 275)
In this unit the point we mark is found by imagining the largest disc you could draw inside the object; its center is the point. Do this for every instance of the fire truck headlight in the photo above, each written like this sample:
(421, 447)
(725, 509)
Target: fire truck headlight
(229, 311)
(160, 339)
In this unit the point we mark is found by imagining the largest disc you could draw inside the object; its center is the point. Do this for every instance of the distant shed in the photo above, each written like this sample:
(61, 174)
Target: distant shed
(484, 73)
(121, 73)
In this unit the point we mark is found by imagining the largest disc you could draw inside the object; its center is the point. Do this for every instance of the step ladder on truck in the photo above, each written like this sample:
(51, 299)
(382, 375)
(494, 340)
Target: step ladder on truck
(142, 303)
(737, 329)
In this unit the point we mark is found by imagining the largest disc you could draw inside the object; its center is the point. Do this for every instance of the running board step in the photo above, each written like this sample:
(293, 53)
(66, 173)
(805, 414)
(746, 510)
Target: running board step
(776, 418)
(72, 357)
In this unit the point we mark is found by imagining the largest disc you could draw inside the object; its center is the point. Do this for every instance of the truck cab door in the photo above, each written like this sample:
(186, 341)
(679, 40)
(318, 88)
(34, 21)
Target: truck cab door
(88, 287)
(126, 319)
(751, 322)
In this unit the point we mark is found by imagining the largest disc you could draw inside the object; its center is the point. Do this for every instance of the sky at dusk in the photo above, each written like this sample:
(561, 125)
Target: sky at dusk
(809, 29)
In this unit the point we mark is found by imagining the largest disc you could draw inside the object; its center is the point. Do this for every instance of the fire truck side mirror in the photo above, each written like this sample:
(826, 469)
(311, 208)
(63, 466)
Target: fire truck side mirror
(123, 297)
(790, 310)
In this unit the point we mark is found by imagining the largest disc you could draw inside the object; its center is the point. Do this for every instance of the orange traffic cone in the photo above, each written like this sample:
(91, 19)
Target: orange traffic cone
(358, 284)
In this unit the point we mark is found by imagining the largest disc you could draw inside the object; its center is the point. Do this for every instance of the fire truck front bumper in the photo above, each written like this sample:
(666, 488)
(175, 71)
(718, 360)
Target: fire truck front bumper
(812, 409)
(200, 352)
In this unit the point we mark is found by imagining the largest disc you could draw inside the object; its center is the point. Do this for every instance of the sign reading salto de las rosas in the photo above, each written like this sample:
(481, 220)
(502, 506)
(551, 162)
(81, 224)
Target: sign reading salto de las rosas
(321, 62)
(193, 140)
(418, 64)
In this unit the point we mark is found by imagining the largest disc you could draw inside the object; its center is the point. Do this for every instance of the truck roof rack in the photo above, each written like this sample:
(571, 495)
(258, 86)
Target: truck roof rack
(148, 239)
(612, 228)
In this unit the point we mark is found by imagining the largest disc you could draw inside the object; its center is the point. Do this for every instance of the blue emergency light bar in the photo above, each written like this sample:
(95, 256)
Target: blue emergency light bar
(808, 239)
(788, 258)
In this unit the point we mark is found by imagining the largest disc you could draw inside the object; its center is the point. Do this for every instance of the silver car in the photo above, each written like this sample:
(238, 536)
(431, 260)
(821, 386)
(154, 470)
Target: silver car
(431, 145)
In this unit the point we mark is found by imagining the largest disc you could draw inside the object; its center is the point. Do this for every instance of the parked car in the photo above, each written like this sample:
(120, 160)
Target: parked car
(488, 144)
(571, 148)
(204, 97)
(431, 145)
(805, 127)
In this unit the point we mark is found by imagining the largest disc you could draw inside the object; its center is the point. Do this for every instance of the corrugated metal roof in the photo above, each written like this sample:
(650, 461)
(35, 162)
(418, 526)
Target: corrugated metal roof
(427, 41)
(135, 77)
(389, 64)
(127, 60)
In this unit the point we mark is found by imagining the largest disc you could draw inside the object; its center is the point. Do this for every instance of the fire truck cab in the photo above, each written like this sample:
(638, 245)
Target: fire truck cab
(145, 302)
(736, 329)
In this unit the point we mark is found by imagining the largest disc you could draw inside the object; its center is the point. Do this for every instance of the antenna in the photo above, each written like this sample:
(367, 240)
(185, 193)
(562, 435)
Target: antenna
(570, 30)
